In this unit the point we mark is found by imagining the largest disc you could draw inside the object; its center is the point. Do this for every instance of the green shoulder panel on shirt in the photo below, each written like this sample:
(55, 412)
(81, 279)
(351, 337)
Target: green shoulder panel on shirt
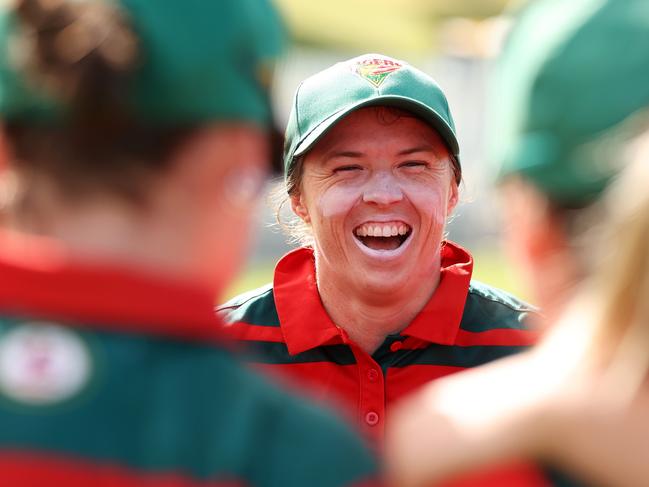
(489, 308)
(256, 307)
(558, 478)
(161, 406)
(486, 308)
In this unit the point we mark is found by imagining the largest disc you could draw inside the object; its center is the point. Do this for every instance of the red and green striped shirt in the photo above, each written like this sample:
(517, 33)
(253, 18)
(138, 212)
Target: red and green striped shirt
(113, 378)
(465, 324)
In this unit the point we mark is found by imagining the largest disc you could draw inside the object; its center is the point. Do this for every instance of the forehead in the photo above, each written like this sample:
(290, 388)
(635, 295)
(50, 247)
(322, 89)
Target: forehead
(380, 126)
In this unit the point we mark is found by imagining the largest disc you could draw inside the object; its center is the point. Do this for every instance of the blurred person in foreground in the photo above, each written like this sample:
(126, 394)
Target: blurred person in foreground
(135, 136)
(579, 401)
(376, 302)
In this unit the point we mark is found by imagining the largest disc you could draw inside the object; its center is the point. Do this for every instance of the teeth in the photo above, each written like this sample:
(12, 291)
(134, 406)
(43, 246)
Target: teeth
(382, 230)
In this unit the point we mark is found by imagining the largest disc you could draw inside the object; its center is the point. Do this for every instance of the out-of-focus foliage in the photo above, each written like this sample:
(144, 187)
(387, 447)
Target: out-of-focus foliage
(389, 26)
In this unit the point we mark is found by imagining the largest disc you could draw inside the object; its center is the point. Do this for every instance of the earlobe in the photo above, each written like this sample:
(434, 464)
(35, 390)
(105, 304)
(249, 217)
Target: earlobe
(299, 208)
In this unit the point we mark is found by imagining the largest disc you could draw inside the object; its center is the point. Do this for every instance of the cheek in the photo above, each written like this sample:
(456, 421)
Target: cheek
(335, 202)
(232, 231)
(430, 201)
(222, 245)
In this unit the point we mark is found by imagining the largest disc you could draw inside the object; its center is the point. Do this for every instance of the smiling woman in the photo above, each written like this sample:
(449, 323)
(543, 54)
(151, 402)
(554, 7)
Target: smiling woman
(376, 192)
(386, 116)
(378, 303)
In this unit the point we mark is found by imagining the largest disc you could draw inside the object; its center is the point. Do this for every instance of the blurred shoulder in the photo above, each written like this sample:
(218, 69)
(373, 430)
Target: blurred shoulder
(308, 444)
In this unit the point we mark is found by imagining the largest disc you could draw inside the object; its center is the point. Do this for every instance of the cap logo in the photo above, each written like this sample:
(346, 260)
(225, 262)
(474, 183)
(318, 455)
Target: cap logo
(376, 70)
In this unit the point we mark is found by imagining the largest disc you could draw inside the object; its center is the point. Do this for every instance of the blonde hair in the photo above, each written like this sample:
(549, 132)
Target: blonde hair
(612, 306)
(296, 231)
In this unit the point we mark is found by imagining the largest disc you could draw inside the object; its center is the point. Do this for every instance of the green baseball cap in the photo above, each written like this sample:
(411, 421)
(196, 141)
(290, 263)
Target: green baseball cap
(200, 61)
(568, 97)
(368, 80)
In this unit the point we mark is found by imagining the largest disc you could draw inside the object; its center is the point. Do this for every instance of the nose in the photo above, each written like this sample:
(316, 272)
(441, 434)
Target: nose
(382, 189)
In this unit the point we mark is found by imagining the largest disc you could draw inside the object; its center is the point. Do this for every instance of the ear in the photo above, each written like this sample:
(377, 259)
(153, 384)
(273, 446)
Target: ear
(299, 208)
(453, 197)
(4, 152)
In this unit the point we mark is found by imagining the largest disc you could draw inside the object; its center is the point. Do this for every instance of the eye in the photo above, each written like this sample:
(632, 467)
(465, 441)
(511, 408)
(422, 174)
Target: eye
(347, 168)
(414, 165)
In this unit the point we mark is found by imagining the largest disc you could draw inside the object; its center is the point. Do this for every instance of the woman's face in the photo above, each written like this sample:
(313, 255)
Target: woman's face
(376, 191)
(537, 242)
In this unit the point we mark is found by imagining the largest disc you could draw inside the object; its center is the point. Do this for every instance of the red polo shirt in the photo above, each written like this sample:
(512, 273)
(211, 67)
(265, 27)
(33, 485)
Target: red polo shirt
(464, 324)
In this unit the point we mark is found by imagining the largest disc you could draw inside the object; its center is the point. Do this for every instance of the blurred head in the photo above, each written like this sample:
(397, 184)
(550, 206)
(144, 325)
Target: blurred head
(372, 171)
(567, 100)
(157, 108)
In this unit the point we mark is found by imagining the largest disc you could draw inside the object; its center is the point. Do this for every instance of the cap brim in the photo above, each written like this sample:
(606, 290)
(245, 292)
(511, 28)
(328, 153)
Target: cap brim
(417, 108)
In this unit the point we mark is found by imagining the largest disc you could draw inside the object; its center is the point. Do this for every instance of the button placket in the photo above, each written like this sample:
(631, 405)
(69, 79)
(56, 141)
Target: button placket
(372, 374)
(371, 405)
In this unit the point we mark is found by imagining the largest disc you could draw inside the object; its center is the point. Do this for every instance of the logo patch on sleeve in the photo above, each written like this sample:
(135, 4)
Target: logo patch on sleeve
(376, 69)
(42, 364)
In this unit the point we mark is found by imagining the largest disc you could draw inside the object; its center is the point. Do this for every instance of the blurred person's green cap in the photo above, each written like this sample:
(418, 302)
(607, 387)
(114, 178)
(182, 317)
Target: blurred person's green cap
(198, 61)
(325, 98)
(573, 85)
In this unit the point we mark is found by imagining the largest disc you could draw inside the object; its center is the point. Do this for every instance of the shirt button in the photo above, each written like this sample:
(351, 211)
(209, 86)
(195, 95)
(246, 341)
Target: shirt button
(396, 346)
(372, 375)
(372, 418)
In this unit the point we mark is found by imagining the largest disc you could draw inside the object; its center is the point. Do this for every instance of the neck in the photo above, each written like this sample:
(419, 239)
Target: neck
(367, 316)
(113, 231)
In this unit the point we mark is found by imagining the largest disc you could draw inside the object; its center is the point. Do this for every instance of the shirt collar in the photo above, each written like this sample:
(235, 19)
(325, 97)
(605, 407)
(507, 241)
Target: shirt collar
(439, 321)
(40, 280)
(305, 323)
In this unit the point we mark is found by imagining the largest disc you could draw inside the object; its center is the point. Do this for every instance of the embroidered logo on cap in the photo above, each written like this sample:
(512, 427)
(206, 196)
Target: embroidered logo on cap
(376, 69)
(42, 364)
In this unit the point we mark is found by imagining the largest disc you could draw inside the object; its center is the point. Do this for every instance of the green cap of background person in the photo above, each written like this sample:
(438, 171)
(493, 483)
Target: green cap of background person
(369, 80)
(573, 85)
(198, 61)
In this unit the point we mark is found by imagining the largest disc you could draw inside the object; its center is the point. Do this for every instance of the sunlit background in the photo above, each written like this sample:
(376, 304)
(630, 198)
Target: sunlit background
(453, 41)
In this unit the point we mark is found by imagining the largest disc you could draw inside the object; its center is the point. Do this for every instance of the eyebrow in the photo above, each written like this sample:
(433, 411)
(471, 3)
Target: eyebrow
(405, 152)
(419, 148)
(351, 154)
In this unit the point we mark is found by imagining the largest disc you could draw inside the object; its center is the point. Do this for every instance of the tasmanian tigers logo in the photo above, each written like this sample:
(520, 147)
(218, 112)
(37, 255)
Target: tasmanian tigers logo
(376, 70)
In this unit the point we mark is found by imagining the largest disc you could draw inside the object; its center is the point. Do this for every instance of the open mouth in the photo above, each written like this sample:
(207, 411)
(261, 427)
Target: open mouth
(383, 236)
